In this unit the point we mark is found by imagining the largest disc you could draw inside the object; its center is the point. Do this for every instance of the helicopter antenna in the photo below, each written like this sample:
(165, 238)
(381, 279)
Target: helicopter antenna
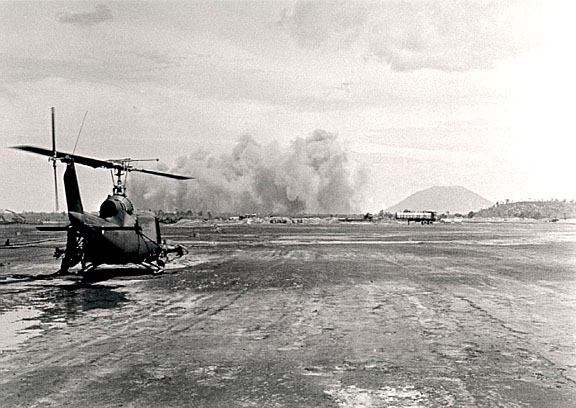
(79, 132)
(54, 158)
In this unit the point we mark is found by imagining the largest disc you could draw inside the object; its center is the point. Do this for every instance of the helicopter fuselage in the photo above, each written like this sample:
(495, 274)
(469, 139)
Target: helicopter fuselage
(121, 239)
(117, 235)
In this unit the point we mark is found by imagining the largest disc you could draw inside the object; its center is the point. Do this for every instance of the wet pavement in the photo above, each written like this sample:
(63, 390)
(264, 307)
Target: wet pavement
(474, 315)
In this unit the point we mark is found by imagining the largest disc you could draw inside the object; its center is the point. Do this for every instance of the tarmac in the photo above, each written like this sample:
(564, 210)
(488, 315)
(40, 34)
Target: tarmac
(366, 315)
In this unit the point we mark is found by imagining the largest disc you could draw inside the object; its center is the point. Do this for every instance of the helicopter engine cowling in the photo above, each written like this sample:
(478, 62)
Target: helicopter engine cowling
(116, 205)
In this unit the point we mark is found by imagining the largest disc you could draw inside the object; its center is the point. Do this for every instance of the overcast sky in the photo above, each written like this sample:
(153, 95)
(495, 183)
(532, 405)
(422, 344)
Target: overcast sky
(478, 94)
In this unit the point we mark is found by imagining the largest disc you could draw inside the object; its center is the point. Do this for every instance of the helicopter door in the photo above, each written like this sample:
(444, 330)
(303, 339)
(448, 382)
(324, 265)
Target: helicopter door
(149, 227)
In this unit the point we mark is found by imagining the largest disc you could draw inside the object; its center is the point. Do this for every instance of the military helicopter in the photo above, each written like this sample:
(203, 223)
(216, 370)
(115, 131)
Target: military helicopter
(118, 234)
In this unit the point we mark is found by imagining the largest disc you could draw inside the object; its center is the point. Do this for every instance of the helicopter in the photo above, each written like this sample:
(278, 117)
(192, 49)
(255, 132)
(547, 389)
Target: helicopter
(119, 234)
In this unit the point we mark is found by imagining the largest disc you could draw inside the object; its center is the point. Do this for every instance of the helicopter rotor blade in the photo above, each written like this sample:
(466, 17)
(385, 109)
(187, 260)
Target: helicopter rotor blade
(55, 185)
(86, 161)
(162, 174)
(53, 228)
(54, 159)
(95, 163)
(53, 132)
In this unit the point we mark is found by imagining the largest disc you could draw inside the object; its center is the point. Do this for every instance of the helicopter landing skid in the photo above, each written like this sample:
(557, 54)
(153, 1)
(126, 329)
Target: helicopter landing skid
(155, 269)
(86, 268)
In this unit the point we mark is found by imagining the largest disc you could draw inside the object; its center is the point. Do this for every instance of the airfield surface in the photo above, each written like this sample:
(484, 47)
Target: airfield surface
(372, 315)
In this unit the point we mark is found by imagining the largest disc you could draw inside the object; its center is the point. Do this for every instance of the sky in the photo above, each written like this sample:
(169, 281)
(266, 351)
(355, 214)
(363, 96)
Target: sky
(416, 93)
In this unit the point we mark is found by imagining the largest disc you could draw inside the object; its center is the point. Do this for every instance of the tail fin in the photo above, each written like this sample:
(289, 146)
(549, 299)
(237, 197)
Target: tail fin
(73, 199)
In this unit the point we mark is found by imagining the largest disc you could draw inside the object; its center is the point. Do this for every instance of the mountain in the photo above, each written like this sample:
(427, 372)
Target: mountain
(455, 199)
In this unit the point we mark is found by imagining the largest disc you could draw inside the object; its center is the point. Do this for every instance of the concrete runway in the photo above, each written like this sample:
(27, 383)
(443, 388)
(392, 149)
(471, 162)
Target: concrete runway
(372, 315)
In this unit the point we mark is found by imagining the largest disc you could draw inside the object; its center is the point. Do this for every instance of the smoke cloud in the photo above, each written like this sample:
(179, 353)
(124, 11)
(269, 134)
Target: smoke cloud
(446, 35)
(101, 14)
(311, 175)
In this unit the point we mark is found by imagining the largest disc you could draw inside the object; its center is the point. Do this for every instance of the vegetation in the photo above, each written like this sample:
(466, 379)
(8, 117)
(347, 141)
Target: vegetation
(552, 209)
(542, 209)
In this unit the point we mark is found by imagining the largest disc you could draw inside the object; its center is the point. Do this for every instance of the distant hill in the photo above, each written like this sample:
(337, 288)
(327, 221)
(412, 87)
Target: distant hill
(453, 199)
(559, 209)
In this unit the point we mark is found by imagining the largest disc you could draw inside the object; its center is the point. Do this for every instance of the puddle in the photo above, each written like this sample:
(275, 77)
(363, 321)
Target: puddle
(70, 300)
(51, 305)
(190, 260)
(17, 326)
(356, 397)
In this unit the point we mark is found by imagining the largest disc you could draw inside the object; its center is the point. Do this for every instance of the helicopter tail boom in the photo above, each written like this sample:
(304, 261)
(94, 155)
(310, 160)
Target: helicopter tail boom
(73, 199)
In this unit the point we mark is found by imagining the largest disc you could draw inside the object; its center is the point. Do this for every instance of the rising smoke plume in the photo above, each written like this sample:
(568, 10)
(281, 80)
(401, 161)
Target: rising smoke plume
(311, 175)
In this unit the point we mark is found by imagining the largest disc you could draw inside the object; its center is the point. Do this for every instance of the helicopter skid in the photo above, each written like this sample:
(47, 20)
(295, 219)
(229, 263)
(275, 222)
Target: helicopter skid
(156, 269)
(108, 267)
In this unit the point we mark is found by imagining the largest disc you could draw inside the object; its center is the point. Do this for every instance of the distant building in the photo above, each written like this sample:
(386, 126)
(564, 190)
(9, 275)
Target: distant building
(423, 217)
